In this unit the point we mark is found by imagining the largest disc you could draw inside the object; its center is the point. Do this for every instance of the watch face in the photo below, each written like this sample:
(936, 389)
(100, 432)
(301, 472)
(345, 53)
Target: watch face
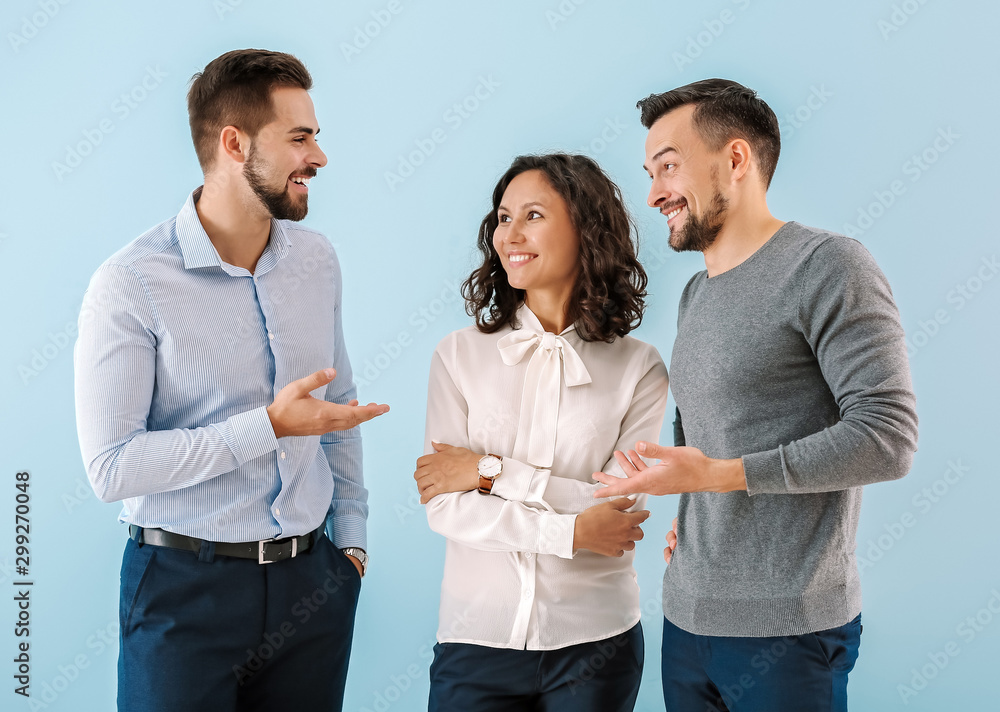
(489, 467)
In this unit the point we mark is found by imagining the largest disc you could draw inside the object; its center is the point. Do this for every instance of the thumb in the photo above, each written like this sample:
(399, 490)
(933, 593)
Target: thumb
(315, 380)
(651, 450)
(621, 503)
(438, 447)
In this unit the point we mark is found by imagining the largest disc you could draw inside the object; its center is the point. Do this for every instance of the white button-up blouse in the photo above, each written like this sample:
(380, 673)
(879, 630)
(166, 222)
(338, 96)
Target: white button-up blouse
(554, 407)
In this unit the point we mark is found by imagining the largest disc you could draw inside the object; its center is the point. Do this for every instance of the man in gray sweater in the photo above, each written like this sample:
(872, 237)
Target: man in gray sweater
(793, 392)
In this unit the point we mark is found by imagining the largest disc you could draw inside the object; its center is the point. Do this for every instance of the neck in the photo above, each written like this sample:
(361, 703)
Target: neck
(551, 306)
(237, 224)
(748, 226)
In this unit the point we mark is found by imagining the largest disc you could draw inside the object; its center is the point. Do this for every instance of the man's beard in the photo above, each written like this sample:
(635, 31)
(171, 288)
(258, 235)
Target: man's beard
(698, 233)
(279, 203)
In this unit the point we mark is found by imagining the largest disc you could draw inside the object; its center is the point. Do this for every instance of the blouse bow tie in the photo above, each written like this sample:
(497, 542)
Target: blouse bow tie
(536, 431)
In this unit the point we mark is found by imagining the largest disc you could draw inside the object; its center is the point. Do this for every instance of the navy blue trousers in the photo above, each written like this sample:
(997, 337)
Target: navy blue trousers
(796, 673)
(220, 634)
(590, 677)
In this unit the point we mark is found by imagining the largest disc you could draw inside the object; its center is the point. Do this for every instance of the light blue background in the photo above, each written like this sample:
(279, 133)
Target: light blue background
(565, 73)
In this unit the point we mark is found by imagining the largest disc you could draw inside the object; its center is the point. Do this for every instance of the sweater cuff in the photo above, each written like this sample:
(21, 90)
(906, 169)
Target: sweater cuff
(556, 536)
(249, 435)
(765, 473)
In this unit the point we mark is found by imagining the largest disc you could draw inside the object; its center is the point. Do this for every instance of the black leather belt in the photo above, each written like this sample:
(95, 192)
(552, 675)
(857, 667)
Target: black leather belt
(266, 551)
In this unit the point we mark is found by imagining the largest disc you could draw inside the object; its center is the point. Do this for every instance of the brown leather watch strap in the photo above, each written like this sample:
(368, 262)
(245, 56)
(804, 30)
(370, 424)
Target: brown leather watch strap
(485, 485)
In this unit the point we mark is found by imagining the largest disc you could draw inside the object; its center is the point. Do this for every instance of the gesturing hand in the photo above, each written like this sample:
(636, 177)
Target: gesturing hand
(681, 469)
(668, 553)
(295, 412)
(447, 469)
(608, 529)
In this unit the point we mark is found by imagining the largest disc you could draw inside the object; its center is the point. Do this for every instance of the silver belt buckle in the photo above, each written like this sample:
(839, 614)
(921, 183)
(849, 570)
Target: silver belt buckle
(261, 547)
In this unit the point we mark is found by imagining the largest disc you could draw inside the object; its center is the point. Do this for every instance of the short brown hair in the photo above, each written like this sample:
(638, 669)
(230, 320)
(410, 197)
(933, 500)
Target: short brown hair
(608, 298)
(235, 90)
(724, 110)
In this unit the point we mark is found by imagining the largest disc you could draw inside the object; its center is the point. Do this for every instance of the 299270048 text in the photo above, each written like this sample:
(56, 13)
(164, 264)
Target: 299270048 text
(22, 584)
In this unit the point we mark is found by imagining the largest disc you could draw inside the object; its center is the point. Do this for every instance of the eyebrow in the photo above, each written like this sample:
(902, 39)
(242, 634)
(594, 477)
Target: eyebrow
(303, 129)
(523, 207)
(659, 154)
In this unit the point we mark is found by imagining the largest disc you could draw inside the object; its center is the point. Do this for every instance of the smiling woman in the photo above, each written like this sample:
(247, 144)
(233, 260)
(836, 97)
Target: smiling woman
(573, 195)
(539, 587)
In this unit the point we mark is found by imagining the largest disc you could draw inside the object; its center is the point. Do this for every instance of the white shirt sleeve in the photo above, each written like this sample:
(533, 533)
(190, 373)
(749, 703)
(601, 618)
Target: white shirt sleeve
(484, 522)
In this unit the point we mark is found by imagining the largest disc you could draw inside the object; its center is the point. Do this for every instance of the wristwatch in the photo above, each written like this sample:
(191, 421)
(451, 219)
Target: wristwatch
(360, 555)
(489, 468)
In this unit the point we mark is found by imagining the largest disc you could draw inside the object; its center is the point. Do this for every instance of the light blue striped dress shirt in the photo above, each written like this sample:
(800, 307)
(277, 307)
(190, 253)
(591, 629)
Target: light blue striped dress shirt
(178, 356)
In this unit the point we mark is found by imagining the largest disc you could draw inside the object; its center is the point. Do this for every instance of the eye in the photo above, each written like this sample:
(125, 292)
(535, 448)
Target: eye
(669, 166)
(503, 218)
(300, 139)
(533, 214)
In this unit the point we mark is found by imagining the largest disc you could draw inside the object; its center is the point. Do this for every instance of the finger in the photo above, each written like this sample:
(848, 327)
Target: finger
(625, 463)
(611, 481)
(639, 517)
(621, 504)
(638, 534)
(674, 526)
(667, 553)
(315, 380)
(438, 447)
(629, 545)
(671, 541)
(355, 402)
(651, 450)
(636, 460)
(617, 486)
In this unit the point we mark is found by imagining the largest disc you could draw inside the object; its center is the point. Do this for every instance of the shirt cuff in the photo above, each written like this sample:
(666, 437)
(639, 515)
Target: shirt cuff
(250, 435)
(520, 482)
(347, 530)
(556, 535)
(765, 473)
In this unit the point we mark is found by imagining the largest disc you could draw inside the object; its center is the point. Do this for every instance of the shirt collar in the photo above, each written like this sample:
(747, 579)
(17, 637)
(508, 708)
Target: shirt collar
(526, 319)
(197, 248)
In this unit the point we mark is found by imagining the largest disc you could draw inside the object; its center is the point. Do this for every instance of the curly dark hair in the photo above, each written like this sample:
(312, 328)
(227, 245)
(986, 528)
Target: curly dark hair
(608, 298)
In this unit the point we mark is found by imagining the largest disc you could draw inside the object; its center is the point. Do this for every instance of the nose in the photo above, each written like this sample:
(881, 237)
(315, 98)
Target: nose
(658, 194)
(318, 158)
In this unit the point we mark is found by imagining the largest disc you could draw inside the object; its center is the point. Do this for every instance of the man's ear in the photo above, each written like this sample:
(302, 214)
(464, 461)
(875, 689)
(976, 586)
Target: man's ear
(740, 157)
(234, 144)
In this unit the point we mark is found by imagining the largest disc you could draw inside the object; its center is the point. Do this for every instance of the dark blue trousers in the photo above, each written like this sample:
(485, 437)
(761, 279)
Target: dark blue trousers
(220, 634)
(590, 677)
(796, 673)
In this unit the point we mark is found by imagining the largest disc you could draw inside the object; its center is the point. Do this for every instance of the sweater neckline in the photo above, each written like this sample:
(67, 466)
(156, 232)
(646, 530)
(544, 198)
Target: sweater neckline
(759, 251)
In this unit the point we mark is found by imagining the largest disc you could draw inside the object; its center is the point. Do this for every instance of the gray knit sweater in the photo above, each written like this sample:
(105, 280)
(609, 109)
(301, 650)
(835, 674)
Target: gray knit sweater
(795, 361)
